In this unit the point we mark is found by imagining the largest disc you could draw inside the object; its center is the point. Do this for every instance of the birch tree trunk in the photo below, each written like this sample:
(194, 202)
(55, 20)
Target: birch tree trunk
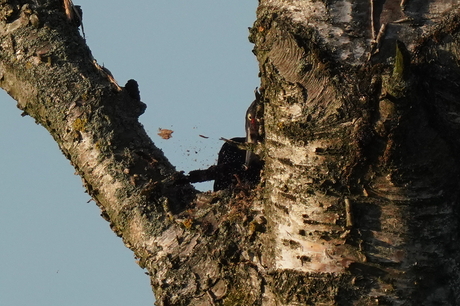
(358, 203)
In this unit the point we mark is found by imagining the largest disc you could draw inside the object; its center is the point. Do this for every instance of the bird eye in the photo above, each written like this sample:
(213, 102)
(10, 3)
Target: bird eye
(249, 116)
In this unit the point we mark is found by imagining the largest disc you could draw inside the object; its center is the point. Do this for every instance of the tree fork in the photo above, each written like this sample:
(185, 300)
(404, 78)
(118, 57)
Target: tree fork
(358, 200)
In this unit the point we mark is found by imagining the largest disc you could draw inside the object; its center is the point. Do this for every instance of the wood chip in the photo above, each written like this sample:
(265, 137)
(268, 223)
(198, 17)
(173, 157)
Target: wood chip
(165, 133)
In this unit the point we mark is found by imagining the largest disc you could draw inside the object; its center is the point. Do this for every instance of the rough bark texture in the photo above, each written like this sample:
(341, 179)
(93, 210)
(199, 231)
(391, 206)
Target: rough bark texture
(358, 204)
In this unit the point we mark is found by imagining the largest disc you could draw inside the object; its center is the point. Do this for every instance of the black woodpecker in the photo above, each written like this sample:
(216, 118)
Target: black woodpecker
(237, 167)
(252, 126)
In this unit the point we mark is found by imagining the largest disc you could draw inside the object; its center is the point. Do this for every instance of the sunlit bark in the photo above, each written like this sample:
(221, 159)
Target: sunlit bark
(359, 194)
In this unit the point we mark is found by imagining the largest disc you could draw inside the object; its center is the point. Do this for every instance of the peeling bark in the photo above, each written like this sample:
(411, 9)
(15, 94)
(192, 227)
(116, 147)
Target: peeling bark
(359, 194)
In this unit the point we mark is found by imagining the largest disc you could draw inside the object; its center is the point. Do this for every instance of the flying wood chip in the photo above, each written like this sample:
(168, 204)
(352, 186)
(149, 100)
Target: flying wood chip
(165, 133)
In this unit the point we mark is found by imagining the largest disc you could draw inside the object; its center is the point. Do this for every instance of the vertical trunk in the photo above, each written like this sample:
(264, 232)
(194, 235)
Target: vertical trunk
(361, 188)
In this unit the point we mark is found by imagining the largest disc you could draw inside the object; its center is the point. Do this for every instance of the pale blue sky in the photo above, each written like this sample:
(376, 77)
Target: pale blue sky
(196, 72)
